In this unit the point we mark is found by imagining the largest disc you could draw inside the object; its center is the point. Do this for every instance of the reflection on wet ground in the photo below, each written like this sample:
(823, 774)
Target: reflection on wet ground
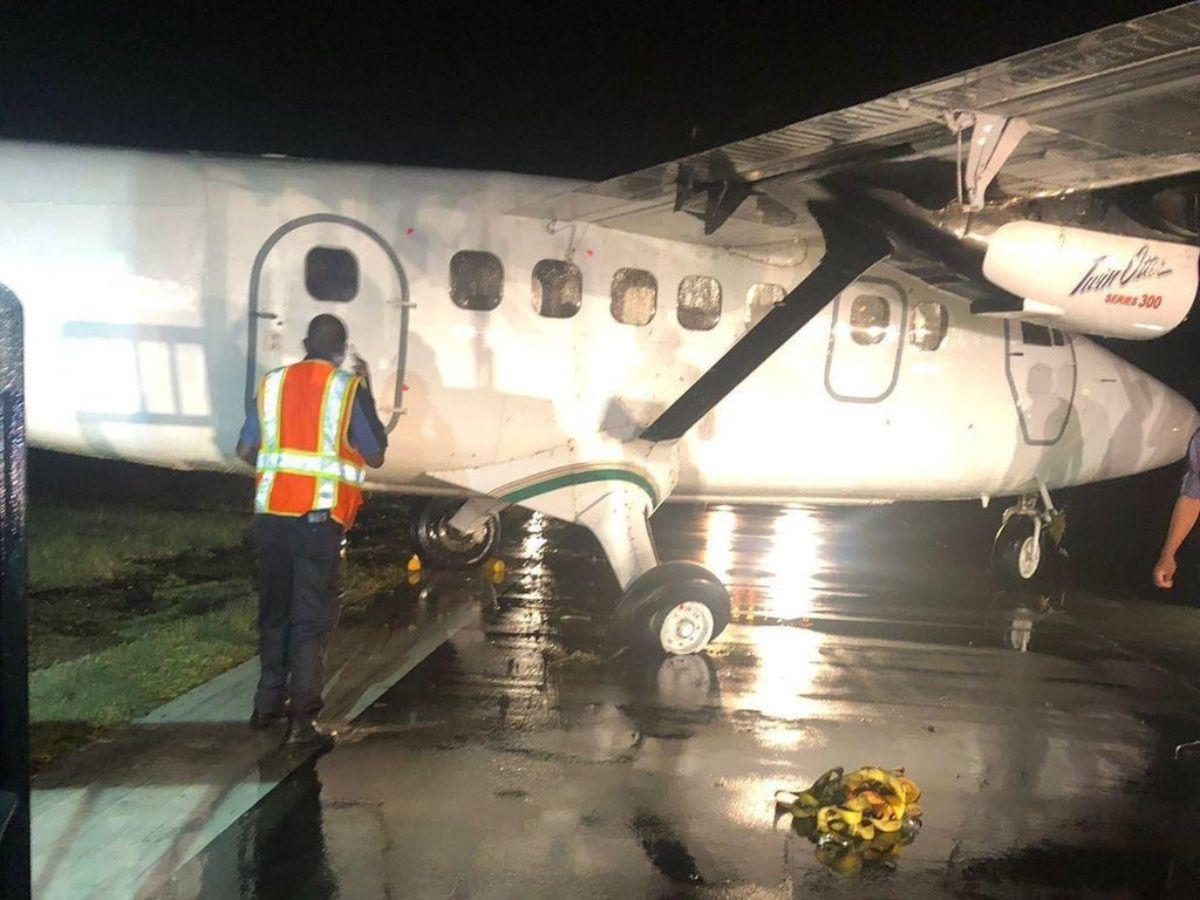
(525, 759)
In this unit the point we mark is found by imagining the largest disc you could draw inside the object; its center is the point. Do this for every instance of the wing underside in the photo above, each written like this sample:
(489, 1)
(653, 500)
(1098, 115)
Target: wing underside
(1113, 107)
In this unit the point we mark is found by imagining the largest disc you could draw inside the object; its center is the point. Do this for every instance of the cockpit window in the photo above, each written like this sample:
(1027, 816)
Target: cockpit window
(557, 288)
(870, 316)
(634, 296)
(699, 306)
(1036, 335)
(476, 279)
(929, 323)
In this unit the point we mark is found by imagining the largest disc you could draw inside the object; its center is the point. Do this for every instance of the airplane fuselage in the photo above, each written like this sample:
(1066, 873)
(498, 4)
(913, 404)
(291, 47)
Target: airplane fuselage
(158, 289)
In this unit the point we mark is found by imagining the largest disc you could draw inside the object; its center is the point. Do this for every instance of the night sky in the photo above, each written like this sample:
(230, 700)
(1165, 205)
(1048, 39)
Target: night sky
(582, 90)
(570, 89)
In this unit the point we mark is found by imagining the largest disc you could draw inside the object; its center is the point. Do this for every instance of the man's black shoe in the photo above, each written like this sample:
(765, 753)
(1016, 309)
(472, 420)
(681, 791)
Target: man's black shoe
(303, 734)
(264, 720)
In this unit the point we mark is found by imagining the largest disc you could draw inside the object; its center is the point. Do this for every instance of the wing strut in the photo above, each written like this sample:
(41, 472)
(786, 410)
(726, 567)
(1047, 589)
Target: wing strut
(849, 251)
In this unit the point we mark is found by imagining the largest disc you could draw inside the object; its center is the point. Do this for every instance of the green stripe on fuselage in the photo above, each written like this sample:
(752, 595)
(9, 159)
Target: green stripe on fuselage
(587, 477)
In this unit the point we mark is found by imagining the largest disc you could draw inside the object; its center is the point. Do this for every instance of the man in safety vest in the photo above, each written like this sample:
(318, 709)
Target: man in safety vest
(312, 435)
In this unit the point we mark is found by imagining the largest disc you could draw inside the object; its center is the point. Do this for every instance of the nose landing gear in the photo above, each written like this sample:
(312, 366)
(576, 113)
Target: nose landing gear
(1027, 551)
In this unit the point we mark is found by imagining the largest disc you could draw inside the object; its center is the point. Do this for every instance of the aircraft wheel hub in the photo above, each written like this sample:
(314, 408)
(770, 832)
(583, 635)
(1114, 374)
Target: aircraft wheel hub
(459, 541)
(445, 546)
(686, 628)
(1029, 557)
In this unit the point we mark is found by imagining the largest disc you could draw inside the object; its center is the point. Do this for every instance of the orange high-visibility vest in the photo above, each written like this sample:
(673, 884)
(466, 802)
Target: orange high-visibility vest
(305, 461)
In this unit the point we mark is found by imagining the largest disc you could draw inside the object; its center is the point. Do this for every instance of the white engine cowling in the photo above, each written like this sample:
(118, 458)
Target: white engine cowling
(1092, 282)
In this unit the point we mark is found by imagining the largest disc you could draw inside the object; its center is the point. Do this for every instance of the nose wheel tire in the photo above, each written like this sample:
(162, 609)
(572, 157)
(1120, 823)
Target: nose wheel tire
(675, 608)
(1019, 553)
(444, 546)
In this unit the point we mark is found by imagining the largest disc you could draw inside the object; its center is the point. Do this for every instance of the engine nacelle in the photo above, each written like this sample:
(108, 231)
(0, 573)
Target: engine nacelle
(1093, 282)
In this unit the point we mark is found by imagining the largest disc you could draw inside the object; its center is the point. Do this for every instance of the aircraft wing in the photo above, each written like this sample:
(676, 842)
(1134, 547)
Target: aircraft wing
(1113, 107)
(935, 176)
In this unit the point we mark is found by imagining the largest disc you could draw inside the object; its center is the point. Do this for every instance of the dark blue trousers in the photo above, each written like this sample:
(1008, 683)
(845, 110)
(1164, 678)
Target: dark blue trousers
(298, 607)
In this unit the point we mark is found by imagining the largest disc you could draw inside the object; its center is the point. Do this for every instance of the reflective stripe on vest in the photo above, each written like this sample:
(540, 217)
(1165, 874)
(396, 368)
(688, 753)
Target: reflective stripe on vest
(316, 465)
(337, 392)
(325, 466)
(269, 400)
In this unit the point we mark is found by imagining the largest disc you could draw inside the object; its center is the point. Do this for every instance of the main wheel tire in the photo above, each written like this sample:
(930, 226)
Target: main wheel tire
(445, 547)
(676, 608)
(1019, 557)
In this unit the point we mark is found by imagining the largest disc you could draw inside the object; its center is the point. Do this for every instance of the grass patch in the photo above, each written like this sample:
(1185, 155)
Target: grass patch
(162, 656)
(71, 701)
(74, 546)
(130, 606)
(576, 661)
(133, 606)
(72, 623)
(363, 580)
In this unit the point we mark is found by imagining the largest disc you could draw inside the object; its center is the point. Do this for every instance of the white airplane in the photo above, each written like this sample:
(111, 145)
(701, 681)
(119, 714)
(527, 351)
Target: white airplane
(880, 303)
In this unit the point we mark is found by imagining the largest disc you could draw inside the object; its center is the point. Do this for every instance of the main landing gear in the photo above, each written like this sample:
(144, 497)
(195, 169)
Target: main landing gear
(1027, 551)
(445, 546)
(675, 608)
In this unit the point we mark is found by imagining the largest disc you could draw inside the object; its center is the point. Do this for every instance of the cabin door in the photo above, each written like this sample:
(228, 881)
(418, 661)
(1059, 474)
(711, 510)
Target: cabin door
(866, 341)
(331, 264)
(1041, 375)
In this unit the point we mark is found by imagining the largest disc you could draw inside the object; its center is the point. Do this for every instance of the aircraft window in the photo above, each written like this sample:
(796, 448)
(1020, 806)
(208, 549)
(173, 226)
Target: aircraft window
(699, 306)
(929, 323)
(634, 296)
(557, 288)
(760, 300)
(870, 316)
(1058, 337)
(476, 279)
(1036, 335)
(331, 274)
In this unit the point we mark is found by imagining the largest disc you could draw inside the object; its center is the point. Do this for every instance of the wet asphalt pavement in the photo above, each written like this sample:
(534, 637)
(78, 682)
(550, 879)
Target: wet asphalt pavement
(528, 757)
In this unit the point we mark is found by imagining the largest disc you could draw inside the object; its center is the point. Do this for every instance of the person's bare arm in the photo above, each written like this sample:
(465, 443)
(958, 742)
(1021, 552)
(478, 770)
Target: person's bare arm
(1183, 520)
